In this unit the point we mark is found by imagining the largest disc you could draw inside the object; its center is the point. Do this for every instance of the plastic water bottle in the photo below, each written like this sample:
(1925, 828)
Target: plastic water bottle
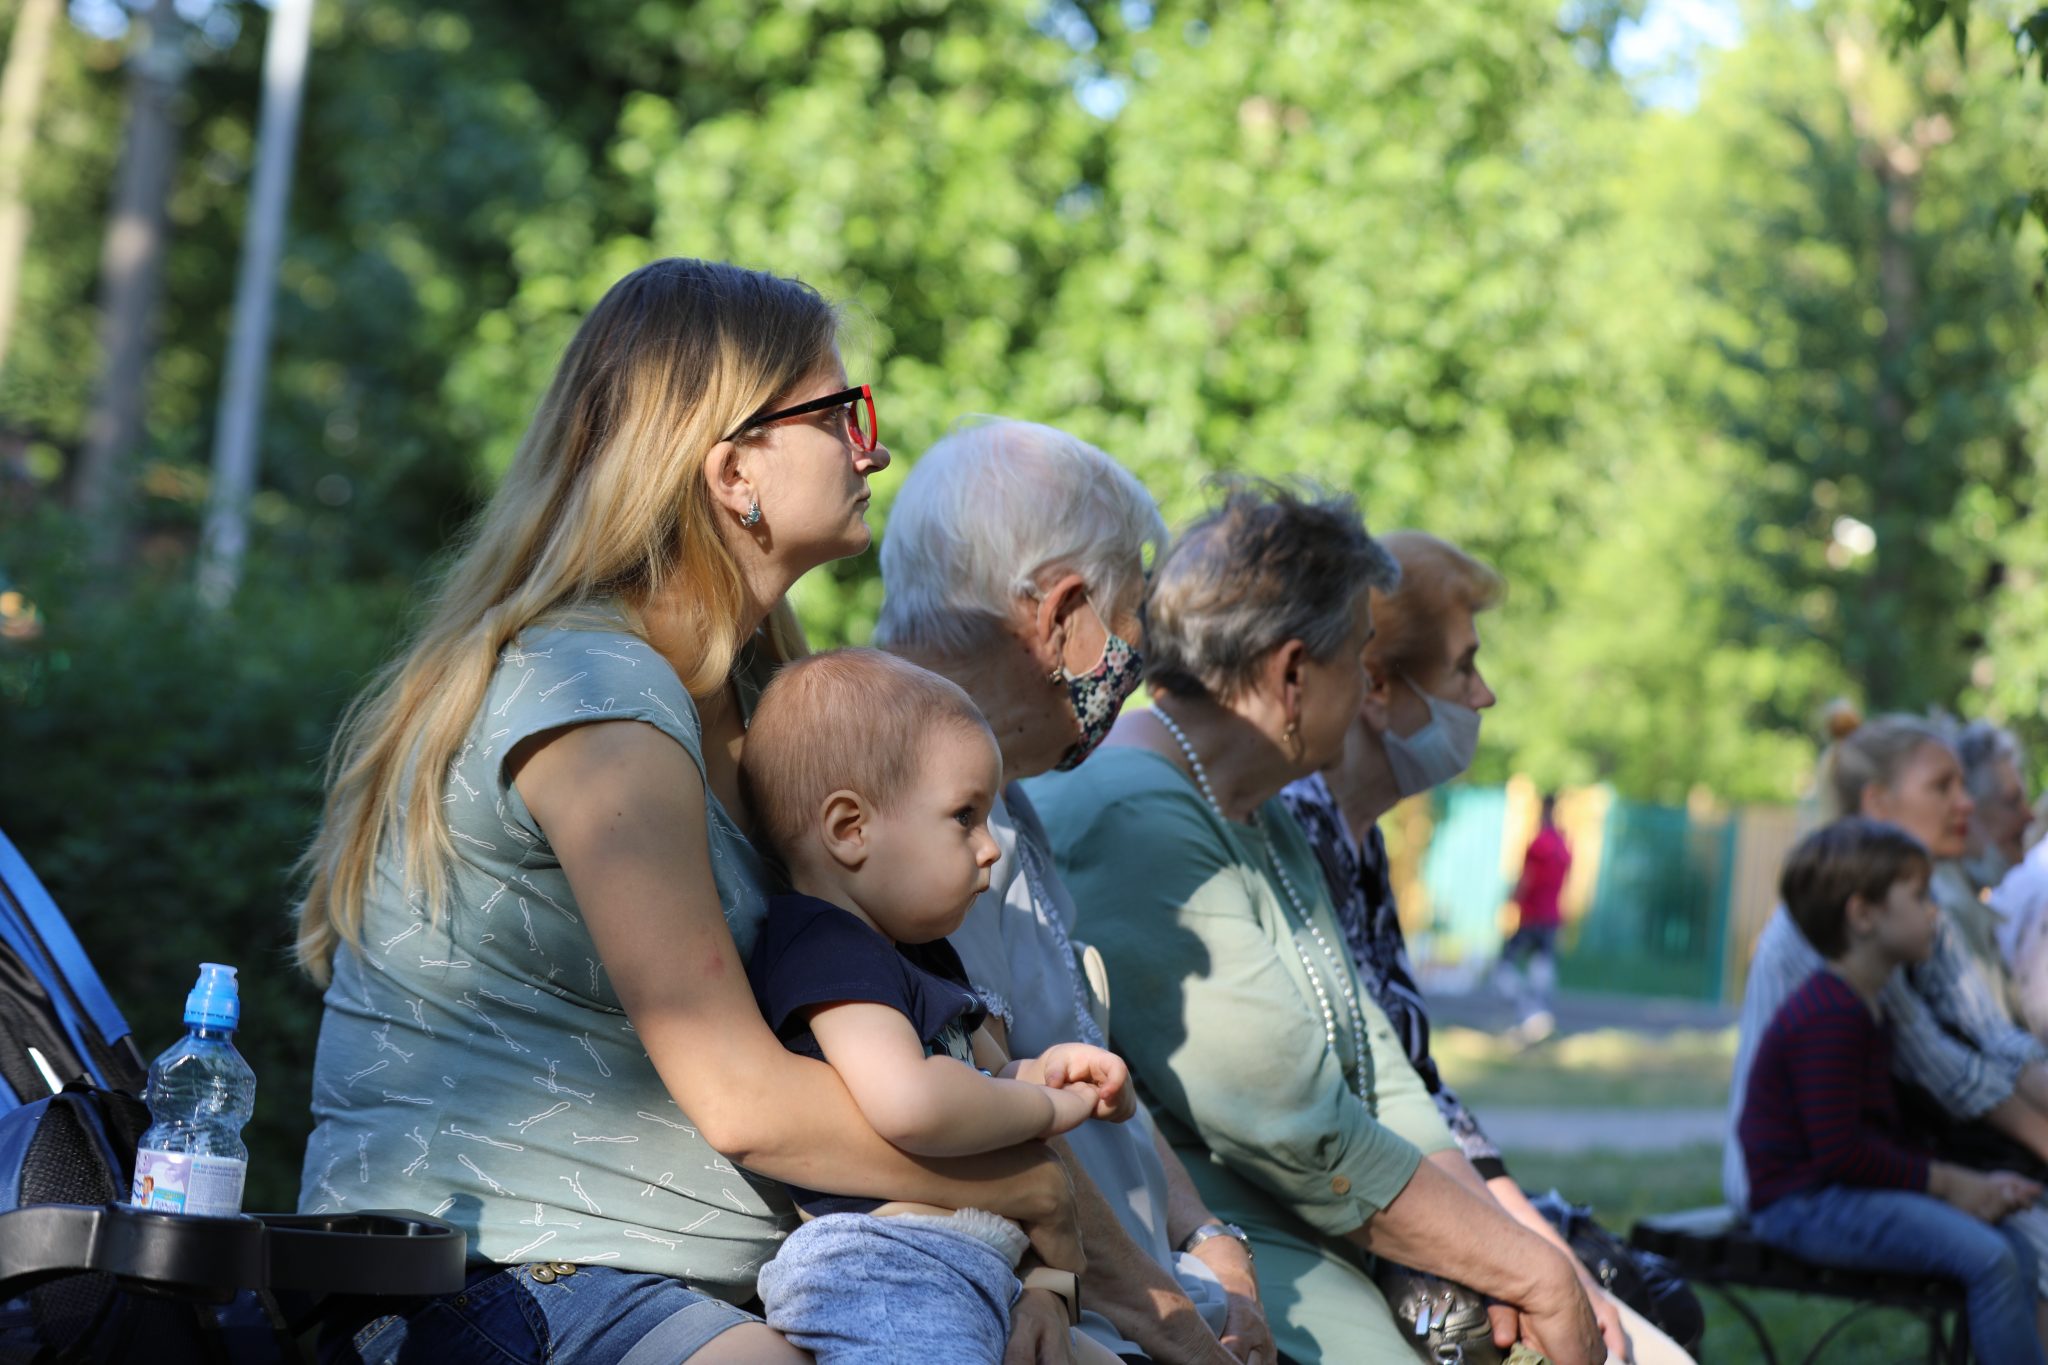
(192, 1158)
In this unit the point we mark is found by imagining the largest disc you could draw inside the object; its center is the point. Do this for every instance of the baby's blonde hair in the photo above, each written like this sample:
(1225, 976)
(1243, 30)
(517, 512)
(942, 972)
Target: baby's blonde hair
(848, 719)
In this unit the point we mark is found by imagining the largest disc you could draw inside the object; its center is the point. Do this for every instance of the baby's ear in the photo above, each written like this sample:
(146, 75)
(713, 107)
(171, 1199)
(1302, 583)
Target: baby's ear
(843, 828)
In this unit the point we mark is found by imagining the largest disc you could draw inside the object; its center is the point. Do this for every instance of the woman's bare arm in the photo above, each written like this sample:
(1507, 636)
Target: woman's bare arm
(624, 809)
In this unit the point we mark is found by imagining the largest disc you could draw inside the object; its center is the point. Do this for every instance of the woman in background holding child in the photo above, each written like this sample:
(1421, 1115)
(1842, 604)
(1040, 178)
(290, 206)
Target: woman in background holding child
(1972, 1075)
(1830, 1178)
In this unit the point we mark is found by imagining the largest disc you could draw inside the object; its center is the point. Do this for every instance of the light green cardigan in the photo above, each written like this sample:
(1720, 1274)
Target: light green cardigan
(1213, 1009)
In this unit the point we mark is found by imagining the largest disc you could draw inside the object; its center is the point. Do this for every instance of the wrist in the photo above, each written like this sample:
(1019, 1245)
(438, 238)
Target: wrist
(1046, 1191)
(1211, 1229)
(1063, 1285)
(1231, 1262)
(1550, 1276)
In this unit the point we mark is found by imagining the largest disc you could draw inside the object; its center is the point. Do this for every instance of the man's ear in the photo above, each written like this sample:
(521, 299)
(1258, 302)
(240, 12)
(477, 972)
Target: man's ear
(1376, 707)
(1053, 617)
(843, 828)
(726, 480)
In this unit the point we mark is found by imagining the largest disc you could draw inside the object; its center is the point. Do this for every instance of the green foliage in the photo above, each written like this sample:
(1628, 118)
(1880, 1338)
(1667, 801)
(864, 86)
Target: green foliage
(163, 772)
(1659, 365)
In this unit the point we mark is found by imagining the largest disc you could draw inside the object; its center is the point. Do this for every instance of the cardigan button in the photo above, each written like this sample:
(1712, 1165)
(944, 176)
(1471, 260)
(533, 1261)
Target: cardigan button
(1340, 1185)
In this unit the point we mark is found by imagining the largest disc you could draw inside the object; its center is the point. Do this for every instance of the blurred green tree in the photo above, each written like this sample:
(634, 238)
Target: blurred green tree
(1745, 399)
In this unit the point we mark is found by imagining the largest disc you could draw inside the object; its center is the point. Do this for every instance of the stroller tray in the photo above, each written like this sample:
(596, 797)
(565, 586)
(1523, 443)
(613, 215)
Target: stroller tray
(379, 1252)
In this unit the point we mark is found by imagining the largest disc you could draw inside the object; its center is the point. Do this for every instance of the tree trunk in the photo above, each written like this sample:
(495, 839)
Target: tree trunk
(21, 98)
(131, 277)
(238, 427)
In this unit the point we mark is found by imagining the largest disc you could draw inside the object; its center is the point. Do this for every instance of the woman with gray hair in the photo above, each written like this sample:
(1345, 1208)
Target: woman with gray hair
(1014, 565)
(1992, 774)
(1274, 1072)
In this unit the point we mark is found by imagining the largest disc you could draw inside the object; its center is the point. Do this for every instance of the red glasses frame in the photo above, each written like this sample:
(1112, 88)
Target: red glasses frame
(865, 439)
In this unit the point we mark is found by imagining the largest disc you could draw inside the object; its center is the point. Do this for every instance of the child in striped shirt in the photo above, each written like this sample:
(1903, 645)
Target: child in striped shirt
(1831, 1180)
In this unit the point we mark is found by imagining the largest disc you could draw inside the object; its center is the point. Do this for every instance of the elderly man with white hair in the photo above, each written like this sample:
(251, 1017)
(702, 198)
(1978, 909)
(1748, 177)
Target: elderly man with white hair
(1991, 759)
(1014, 565)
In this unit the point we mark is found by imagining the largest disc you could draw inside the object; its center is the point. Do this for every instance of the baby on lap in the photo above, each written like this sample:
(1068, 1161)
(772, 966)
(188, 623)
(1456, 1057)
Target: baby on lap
(872, 780)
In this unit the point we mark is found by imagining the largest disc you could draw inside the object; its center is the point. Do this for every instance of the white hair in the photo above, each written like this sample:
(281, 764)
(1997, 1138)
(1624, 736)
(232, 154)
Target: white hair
(1981, 746)
(986, 512)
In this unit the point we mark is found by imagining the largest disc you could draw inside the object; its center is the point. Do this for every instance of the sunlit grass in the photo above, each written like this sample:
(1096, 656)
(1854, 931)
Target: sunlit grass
(1605, 1068)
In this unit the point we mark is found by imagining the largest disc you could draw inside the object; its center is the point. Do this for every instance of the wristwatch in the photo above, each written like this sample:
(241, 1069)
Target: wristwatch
(1216, 1227)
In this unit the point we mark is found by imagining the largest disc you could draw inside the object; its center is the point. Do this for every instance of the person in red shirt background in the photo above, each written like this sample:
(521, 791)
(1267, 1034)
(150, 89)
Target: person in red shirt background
(1528, 960)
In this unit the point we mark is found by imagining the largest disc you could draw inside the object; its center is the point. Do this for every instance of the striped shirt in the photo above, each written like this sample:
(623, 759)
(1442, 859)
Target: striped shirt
(1949, 1036)
(1820, 1109)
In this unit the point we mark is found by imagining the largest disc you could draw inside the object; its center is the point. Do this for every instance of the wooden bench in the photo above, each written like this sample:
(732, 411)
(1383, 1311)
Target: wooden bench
(1712, 1247)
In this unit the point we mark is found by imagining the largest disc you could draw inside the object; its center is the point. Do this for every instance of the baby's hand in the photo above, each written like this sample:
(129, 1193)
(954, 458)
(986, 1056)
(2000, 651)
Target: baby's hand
(1067, 1064)
(1072, 1105)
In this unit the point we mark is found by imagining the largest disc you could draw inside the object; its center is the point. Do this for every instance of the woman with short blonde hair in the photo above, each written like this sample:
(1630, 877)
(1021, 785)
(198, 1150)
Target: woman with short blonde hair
(1417, 727)
(532, 889)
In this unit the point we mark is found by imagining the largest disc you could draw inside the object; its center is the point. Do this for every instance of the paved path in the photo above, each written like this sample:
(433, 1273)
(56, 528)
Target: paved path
(1581, 1013)
(1566, 1131)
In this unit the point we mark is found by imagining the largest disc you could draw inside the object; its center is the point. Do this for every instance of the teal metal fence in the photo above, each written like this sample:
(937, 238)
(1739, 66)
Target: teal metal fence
(1462, 869)
(1657, 923)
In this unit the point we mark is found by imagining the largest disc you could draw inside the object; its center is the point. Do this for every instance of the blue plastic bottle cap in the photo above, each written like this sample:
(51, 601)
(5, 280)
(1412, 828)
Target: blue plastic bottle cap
(216, 1001)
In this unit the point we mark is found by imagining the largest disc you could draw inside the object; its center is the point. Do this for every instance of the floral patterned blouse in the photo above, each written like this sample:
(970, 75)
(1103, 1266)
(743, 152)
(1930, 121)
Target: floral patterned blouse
(1364, 899)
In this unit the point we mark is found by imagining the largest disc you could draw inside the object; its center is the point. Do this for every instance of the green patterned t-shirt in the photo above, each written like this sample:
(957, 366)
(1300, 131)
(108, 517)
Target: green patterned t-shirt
(480, 1067)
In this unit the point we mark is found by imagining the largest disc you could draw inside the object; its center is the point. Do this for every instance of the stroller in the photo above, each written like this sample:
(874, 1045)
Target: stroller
(84, 1277)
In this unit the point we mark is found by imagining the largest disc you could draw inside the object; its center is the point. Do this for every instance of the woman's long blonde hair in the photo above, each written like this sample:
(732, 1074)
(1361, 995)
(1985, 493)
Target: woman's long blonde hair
(605, 499)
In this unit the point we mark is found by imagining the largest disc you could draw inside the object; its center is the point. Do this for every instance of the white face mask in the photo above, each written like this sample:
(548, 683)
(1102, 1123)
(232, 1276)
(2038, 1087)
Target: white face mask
(1986, 868)
(1436, 753)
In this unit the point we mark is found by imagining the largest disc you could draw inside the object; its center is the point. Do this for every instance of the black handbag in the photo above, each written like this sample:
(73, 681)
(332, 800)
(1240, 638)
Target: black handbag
(1643, 1280)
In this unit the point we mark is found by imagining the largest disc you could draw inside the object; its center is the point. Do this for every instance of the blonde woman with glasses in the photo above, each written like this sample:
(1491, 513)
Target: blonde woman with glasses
(532, 889)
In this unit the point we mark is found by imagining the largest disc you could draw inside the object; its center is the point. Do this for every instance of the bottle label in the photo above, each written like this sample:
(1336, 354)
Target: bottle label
(179, 1182)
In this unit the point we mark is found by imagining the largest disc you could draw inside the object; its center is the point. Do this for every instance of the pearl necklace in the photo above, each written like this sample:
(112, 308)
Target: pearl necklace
(1361, 1058)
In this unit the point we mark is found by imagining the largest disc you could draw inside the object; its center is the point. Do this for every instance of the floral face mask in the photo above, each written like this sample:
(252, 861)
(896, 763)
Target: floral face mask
(1098, 695)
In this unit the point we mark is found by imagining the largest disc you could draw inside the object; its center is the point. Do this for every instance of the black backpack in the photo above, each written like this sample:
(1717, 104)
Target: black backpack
(164, 1288)
(71, 1082)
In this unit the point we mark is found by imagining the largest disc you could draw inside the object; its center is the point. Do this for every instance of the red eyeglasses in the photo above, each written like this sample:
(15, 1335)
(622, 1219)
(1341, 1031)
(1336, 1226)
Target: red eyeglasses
(859, 402)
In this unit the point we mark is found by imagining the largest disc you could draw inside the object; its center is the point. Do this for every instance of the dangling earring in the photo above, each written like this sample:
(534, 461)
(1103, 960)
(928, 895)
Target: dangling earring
(1292, 734)
(753, 516)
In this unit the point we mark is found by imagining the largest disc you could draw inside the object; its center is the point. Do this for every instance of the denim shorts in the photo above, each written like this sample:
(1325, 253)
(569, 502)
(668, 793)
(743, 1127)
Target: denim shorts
(531, 1314)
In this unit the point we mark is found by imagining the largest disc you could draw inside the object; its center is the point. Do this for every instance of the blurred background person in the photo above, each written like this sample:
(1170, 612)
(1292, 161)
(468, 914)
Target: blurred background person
(1973, 1086)
(1527, 973)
